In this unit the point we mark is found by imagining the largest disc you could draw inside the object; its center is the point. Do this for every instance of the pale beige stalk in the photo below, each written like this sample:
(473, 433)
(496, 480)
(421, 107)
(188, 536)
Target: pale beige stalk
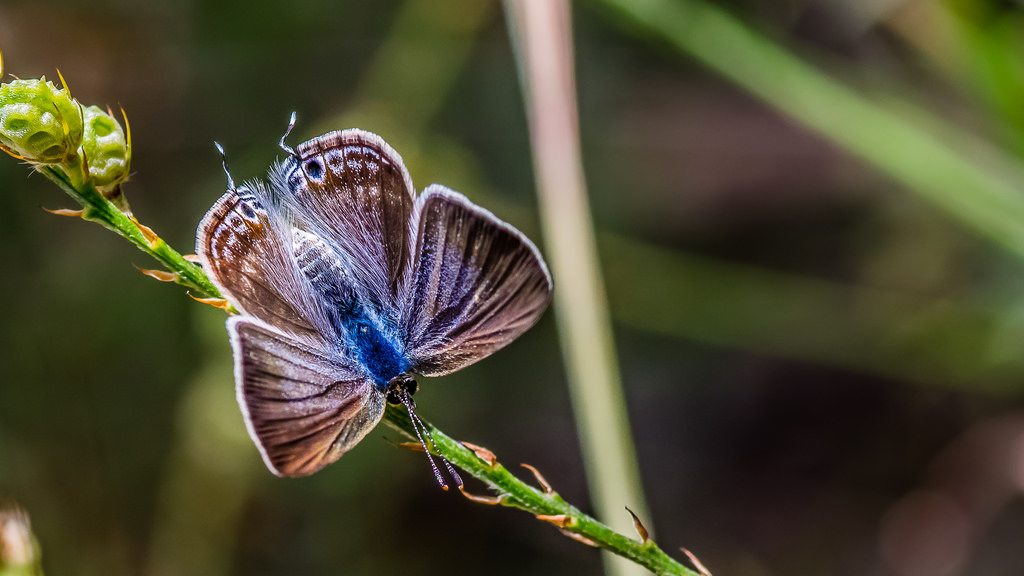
(542, 33)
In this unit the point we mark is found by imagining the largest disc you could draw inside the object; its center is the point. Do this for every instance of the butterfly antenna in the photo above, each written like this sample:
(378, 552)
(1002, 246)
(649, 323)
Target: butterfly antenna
(224, 162)
(430, 438)
(417, 425)
(288, 149)
(451, 469)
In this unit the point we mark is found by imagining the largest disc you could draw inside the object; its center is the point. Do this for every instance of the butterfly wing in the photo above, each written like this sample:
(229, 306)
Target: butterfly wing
(352, 189)
(304, 407)
(248, 253)
(476, 284)
(305, 404)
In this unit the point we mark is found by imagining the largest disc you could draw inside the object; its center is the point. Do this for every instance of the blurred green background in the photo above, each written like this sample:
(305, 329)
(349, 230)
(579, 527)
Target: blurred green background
(820, 342)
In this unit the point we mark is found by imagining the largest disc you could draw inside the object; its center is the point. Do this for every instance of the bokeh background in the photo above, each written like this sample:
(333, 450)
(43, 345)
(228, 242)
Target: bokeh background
(824, 366)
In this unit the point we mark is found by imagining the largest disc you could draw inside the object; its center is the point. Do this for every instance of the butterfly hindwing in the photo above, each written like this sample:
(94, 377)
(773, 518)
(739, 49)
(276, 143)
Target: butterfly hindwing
(304, 407)
(476, 284)
(352, 189)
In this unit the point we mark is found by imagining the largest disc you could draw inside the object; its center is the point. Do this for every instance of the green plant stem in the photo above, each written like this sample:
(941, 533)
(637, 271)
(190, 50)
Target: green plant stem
(98, 209)
(514, 493)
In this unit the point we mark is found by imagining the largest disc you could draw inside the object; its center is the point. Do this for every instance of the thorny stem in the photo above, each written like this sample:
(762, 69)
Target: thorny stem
(98, 209)
(512, 492)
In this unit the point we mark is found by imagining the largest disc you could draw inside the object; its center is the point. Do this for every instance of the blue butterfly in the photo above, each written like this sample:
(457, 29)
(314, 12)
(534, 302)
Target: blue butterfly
(348, 284)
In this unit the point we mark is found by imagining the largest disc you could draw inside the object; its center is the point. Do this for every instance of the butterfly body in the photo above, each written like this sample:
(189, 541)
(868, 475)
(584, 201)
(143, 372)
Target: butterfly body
(363, 331)
(348, 283)
(376, 348)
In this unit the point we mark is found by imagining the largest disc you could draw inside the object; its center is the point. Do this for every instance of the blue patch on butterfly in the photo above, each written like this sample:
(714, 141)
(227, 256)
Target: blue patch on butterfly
(375, 346)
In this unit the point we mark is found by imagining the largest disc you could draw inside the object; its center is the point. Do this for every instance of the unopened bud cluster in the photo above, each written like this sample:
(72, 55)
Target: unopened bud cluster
(45, 125)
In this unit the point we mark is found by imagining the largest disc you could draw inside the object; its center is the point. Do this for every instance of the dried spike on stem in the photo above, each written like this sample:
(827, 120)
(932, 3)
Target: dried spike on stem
(193, 258)
(151, 237)
(161, 275)
(565, 523)
(12, 152)
(560, 520)
(645, 537)
(414, 446)
(220, 303)
(489, 500)
(66, 212)
(579, 538)
(482, 453)
(696, 562)
(544, 484)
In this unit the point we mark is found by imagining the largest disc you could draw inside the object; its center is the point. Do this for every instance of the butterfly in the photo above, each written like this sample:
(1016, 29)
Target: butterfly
(348, 284)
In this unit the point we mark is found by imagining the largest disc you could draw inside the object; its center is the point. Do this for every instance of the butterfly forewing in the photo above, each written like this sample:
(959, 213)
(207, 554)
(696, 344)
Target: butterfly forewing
(352, 189)
(477, 284)
(303, 406)
(247, 251)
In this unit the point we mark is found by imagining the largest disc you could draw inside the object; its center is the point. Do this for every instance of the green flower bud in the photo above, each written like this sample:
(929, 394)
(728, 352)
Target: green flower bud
(105, 148)
(38, 122)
